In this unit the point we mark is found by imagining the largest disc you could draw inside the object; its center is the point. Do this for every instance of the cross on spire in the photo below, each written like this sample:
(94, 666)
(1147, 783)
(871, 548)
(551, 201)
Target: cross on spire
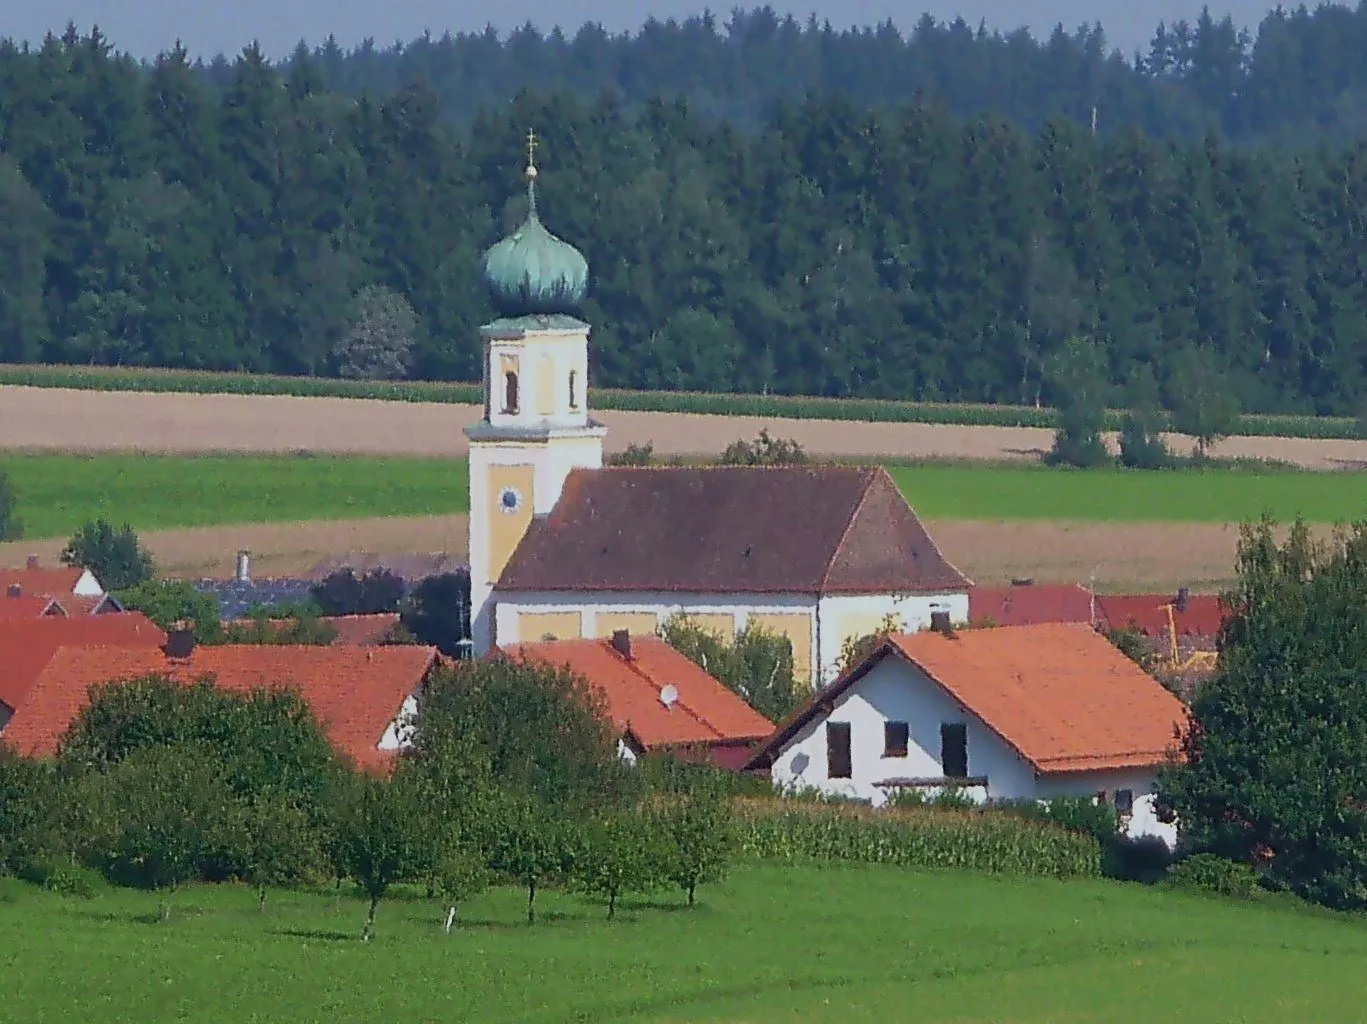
(531, 153)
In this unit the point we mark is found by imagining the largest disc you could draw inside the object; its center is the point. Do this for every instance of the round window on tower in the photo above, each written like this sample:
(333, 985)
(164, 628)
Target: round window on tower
(509, 500)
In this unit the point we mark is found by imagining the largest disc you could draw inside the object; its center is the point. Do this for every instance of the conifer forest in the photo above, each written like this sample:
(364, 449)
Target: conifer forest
(766, 205)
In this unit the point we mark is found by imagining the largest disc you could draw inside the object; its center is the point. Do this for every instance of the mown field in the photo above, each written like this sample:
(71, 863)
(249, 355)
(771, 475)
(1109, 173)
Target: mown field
(774, 945)
(57, 492)
(90, 378)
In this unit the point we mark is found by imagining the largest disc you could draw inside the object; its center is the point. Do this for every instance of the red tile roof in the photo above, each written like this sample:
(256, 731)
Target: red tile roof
(707, 712)
(56, 581)
(354, 692)
(27, 645)
(32, 606)
(1060, 694)
(1147, 613)
(1027, 605)
(818, 529)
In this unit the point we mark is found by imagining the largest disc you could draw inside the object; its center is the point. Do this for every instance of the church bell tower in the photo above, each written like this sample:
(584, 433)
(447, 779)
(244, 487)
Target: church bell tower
(536, 425)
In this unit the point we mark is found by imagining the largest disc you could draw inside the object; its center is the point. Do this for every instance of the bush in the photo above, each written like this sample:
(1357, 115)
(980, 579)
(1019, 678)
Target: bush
(965, 840)
(1206, 872)
(345, 593)
(64, 877)
(1144, 859)
(765, 451)
(633, 455)
(170, 603)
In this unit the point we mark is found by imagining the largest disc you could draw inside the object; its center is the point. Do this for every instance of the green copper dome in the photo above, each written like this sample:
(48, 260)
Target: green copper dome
(533, 272)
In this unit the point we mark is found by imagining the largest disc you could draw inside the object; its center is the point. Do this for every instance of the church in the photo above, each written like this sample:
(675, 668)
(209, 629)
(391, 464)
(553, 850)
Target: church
(562, 547)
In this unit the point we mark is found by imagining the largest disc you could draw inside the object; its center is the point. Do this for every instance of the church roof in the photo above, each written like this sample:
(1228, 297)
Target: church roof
(731, 529)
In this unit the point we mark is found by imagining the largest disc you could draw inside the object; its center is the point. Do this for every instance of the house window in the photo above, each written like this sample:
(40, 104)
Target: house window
(574, 389)
(954, 750)
(838, 750)
(1124, 801)
(510, 392)
(895, 737)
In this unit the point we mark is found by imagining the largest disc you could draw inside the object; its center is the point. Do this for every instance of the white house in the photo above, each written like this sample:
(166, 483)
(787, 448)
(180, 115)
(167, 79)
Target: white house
(1006, 713)
(562, 548)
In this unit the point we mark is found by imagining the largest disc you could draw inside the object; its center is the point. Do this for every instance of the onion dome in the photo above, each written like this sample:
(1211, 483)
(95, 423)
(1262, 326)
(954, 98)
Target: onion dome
(532, 271)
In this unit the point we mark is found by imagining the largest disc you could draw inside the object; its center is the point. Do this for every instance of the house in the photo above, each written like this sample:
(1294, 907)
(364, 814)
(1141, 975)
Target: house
(657, 699)
(364, 698)
(57, 581)
(26, 646)
(1005, 713)
(562, 547)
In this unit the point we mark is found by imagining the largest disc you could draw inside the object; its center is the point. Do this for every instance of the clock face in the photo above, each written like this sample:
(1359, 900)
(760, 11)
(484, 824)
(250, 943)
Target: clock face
(510, 500)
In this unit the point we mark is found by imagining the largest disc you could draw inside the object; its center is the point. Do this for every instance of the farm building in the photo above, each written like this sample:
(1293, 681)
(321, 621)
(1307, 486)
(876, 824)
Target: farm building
(561, 547)
(1004, 713)
(26, 647)
(656, 698)
(364, 698)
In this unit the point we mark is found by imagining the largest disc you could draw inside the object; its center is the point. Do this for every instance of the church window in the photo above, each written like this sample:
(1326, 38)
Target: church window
(574, 389)
(510, 500)
(510, 392)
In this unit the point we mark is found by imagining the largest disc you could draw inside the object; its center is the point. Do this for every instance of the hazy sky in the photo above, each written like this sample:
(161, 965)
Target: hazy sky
(146, 27)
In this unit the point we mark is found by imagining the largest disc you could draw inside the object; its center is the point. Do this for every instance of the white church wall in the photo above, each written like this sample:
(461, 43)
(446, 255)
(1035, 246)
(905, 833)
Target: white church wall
(846, 616)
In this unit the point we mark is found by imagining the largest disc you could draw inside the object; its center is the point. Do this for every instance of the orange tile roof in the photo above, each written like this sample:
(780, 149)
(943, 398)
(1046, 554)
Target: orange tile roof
(354, 692)
(707, 712)
(26, 645)
(56, 581)
(1060, 694)
(31, 606)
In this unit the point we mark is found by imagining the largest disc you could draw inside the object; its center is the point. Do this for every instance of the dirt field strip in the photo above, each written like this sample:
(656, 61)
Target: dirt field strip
(1144, 557)
(71, 420)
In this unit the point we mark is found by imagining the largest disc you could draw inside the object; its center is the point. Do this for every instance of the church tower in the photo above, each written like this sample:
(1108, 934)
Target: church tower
(536, 426)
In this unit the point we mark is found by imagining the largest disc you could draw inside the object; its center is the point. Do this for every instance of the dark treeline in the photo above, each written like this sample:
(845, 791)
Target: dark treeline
(149, 218)
(1301, 76)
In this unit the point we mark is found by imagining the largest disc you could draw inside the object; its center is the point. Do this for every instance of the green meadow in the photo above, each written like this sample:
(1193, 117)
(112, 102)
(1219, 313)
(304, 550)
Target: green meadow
(57, 492)
(837, 944)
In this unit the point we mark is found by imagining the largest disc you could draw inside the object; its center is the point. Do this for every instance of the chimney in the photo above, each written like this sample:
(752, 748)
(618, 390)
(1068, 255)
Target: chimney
(1183, 597)
(621, 643)
(32, 562)
(15, 590)
(244, 567)
(939, 622)
(180, 643)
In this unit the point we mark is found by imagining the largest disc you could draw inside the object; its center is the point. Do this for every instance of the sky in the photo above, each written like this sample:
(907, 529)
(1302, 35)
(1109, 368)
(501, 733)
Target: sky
(205, 27)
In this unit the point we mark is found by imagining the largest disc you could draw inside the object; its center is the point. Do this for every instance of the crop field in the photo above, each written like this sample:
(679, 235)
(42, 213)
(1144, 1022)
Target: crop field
(773, 945)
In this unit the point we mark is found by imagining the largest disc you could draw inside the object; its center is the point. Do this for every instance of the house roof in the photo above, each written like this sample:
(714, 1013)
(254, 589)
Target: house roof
(820, 529)
(1060, 694)
(707, 712)
(26, 607)
(1202, 616)
(1025, 605)
(27, 645)
(57, 581)
(354, 692)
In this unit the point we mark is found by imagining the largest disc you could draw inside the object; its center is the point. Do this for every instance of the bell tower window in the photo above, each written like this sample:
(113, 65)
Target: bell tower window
(510, 392)
(574, 389)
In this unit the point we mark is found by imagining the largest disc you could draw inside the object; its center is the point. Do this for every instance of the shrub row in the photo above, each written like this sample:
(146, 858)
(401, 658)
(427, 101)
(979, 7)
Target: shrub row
(780, 406)
(924, 838)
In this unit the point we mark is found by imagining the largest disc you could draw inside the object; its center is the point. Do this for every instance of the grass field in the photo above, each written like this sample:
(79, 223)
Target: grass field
(57, 492)
(97, 378)
(790, 945)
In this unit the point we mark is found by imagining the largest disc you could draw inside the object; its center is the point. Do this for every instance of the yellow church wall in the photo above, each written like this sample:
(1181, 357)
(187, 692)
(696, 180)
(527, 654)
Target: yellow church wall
(714, 622)
(534, 626)
(507, 528)
(864, 623)
(635, 623)
(797, 627)
(545, 386)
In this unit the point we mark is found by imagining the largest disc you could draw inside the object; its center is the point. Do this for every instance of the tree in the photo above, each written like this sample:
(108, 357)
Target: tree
(542, 730)
(372, 593)
(1273, 769)
(26, 794)
(173, 603)
(1141, 437)
(533, 846)
(11, 526)
(437, 613)
(699, 833)
(115, 556)
(1077, 379)
(1203, 405)
(757, 663)
(379, 840)
(632, 455)
(378, 343)
(290, 625)
(765, 451)
(853, 650)
(622, 853)
(279, 843)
